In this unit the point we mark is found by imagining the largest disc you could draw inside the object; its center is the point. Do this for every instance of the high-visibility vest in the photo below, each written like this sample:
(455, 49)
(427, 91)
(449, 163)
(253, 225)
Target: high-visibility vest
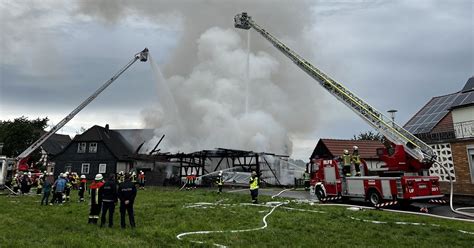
(346, 159)
(356, 158)
(219, 181)
(253, 183)
(40, 183)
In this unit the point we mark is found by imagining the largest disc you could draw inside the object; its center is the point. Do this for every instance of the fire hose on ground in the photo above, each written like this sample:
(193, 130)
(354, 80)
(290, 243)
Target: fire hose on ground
(455, 210)
(264, 220)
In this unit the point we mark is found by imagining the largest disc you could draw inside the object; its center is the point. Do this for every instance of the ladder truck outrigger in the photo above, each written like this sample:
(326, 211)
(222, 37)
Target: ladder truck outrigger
(22, 159)
(401, 178)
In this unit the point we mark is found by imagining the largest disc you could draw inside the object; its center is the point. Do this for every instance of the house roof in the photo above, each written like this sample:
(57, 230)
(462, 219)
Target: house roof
(112, 139)
(466, 96)
(428, 116)
(56, 143)
(330, 148)
(135, 137)
(469, 86)
(438, 107)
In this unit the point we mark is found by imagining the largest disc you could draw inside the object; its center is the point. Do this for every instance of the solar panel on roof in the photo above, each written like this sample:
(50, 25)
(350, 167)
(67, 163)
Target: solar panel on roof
(463, 99)
(431, 114)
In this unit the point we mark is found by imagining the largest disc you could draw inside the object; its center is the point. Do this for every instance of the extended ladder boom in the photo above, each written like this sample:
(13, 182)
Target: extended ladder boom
(142, 56)
(395, 133)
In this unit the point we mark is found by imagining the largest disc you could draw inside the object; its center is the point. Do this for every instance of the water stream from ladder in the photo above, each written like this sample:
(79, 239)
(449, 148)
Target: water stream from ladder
(165, 98)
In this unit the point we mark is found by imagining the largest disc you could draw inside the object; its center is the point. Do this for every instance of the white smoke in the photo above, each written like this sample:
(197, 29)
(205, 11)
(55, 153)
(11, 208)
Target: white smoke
(211, 100)
(207, 74)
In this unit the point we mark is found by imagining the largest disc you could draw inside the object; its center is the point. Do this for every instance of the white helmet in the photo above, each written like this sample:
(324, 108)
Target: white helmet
(220, 173)
(355, 148)
(99, 177)
(346, 151)
(83, 176)
(61, 174)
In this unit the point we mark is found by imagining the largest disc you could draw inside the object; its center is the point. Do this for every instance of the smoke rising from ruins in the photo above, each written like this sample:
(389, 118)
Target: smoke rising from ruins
(206, 76)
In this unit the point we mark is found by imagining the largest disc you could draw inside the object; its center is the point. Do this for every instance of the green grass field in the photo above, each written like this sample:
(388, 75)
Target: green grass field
(161, 214)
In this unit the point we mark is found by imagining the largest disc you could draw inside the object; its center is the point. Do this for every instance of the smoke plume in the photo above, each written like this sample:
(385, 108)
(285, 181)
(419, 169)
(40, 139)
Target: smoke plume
(206, 74)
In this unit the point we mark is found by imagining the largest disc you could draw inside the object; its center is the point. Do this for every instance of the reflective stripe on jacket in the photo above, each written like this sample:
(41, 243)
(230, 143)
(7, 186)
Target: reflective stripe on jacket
(346, 159)
(356, 158)
(253, 183)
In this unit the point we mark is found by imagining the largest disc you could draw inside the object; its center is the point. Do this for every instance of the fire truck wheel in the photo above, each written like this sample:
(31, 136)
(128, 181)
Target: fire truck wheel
(374, 197)
(319, 192)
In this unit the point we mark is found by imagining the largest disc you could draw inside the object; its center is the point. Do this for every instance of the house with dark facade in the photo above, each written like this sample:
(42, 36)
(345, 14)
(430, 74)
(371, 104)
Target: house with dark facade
(332, 148)
(447, 124)
(97, 150)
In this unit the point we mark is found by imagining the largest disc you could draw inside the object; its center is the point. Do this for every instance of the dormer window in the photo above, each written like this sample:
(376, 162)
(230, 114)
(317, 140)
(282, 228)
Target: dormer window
(93, 147)
(81, 147)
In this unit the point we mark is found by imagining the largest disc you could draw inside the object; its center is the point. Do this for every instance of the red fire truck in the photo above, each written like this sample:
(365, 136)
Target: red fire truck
(406, 159)
(329, 183)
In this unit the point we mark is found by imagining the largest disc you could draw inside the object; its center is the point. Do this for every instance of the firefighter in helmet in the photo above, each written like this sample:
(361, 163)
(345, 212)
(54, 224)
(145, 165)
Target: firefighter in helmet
(253, 183)
(96, 201)
(355, 158)
(220, 182)
(346, 163)
(82, 188)
(121, 177)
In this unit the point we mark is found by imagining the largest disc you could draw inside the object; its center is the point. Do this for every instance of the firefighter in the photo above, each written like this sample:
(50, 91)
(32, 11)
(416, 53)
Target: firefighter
(134, 177)
(75, 181)
(95, 199)
(127, 193)
(48, 183)
(306, 178)
(346, 163)
(82, 187)
(120, 177)
(188, 182)
(15, 183)
(254, 187)
(59, 187)
(141, 179)
(67, 191)
(355, 158)
(220, 182)
(108, 194)
(25, 183)
(191, 181)
(40, 182)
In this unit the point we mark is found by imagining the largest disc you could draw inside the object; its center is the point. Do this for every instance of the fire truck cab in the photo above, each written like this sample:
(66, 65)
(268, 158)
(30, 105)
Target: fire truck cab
(328, 182)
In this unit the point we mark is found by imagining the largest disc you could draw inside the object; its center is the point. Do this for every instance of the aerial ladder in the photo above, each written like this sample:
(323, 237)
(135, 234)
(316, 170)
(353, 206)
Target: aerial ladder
(142, 56)
(421, 155)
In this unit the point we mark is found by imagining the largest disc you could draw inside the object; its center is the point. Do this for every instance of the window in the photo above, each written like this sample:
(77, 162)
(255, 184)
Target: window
(81, 147)
(470, 158)
(68, 168)
(92, 147)
(102, 168)
(85, 169)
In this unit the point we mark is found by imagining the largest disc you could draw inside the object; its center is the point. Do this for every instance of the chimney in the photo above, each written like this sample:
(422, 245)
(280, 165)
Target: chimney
(106, 128)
